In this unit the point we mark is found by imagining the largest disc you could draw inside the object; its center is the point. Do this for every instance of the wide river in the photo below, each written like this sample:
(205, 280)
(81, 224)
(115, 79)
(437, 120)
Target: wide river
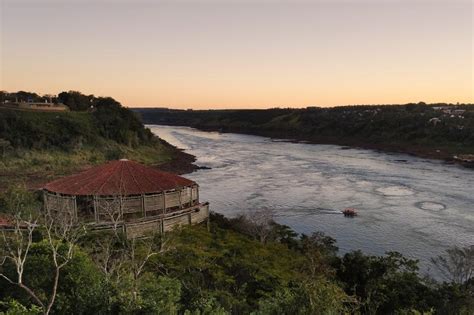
(416, 206)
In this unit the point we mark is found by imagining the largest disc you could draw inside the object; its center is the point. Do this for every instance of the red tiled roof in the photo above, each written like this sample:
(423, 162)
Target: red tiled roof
(121, 177)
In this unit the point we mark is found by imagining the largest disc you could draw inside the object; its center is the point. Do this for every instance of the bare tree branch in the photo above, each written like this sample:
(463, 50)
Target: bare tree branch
(457, 265)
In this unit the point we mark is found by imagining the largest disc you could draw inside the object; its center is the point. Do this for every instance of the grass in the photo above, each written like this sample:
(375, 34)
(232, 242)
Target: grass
(35, 167)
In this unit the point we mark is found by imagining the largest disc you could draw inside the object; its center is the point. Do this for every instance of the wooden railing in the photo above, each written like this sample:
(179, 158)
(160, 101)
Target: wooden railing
(159, 223)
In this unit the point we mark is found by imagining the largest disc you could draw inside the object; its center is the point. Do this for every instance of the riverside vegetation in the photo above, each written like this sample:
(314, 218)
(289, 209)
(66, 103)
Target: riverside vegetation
(244, 265)
(436, 131)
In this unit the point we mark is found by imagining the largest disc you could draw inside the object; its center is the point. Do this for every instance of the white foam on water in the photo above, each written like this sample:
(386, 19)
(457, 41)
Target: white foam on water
(431, 206)
(395, 191)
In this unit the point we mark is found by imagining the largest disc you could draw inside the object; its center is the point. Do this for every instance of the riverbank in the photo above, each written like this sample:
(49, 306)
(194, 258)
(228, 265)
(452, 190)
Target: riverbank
(428, 131)
(443, 153)
(181, 162)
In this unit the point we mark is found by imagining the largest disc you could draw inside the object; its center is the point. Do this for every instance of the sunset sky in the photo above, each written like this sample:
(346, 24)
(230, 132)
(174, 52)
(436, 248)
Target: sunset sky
(241, 54)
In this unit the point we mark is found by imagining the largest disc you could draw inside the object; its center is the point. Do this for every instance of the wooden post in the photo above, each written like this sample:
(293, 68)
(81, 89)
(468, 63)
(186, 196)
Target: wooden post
(179, 196)
(190, 196)
(189, 218)
(164, 203)
(121, 208)
(143, 206)
(45, 200)
(75, 208)
(96, 212)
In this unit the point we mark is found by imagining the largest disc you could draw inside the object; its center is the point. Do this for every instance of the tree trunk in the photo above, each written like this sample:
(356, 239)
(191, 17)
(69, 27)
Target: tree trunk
(53, 293)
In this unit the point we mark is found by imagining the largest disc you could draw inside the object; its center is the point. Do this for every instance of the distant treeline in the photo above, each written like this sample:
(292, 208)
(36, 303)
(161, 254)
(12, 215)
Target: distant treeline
(445, 126)
(90, 120)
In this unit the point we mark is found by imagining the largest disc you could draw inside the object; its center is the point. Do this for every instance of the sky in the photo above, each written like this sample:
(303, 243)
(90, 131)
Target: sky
(241, 54)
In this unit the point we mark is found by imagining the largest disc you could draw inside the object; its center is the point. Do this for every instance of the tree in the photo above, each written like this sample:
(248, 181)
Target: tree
(311, 297)
(15, 247)
(457, 265)
(76, 101)
(319, 251)
(383, 284)
(62, 235)
(258, 224)
(123, 259)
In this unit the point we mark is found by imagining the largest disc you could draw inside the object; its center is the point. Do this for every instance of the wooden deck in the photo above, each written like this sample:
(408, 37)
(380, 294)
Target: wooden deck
(160, 223)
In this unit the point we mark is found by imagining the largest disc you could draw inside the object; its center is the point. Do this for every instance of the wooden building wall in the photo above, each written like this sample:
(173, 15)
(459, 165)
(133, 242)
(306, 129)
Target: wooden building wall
(126, 208)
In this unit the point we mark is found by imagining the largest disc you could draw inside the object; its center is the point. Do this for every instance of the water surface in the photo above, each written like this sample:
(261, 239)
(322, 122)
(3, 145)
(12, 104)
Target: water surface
(416, 206)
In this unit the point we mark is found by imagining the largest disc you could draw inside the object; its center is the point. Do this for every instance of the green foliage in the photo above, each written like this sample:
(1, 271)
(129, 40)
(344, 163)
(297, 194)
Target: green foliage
(226, 270)
(453, 298)
(284, 301)
(315, 297)
(81, 287)
(154, 295)
(119, 123)
(235, 270)
(108, 119)
(76, 101)
(79, 281)
(17, 200)
(383, 284)
(13, 307)
(79, 290)
(43, 130)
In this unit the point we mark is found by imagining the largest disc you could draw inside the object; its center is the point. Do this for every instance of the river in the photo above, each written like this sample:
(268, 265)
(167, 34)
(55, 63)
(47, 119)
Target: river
(416, 206)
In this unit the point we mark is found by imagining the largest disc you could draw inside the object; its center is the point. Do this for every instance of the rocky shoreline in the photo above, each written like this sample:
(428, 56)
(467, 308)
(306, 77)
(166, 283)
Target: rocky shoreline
(182, 162)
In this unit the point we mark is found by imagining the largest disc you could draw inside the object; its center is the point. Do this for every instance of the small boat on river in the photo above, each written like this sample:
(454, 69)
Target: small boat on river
(349, 212)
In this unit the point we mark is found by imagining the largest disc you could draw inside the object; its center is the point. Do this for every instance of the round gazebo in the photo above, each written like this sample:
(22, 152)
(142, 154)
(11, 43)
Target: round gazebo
(126, 194)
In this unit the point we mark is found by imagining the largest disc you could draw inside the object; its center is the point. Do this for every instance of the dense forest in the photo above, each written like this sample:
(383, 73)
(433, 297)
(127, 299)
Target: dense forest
(245, 265)
(435, 130)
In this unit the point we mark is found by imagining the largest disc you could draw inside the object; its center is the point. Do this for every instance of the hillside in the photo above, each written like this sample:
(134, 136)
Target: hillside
(36, 146)
(435, 131)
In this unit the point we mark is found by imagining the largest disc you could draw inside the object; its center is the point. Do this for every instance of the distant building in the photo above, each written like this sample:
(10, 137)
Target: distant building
(450, 110)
